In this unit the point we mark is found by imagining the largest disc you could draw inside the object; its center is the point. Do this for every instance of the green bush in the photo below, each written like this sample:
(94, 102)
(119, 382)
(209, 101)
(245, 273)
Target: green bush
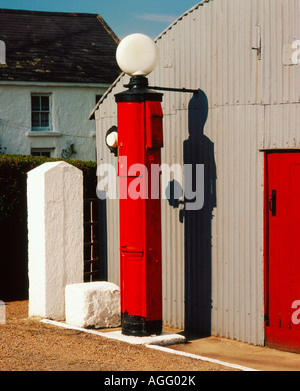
(13, 217)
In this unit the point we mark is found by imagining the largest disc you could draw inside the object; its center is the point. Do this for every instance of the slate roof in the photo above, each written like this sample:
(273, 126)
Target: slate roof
(57, 47)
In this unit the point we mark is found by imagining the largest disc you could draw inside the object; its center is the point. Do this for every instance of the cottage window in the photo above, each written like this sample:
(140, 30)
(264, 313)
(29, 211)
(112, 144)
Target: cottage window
(41, 152)
(40, 112)
(98, 97)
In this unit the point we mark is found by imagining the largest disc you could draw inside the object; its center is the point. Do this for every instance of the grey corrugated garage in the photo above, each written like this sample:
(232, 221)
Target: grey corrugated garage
(241, 56)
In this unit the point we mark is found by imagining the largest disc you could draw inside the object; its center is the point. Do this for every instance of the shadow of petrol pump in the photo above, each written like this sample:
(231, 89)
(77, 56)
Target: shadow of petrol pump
(198, 149)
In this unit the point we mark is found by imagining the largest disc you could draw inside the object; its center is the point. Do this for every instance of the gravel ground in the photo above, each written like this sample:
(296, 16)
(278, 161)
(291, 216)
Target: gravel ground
(29, 345)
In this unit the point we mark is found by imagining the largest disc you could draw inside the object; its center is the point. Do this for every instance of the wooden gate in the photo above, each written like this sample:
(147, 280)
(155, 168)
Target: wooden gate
(94, 261)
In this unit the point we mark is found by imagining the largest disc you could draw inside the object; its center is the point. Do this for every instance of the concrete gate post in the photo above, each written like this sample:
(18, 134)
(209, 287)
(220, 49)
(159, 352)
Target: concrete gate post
(55, 236)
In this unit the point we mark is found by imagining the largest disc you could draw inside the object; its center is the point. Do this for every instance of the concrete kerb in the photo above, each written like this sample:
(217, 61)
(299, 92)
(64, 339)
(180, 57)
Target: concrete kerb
(164, 339)
(154, 342)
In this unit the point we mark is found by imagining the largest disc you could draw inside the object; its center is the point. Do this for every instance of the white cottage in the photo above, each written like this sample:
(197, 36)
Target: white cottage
(231, 268)
(57, 67)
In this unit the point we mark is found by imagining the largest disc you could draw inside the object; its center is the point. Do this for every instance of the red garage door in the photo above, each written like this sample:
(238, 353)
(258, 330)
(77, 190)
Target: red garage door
(282, 256)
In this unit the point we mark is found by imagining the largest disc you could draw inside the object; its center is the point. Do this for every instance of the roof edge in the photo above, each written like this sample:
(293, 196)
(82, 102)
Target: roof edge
(108, 29)
(31, 12)
(180, 17)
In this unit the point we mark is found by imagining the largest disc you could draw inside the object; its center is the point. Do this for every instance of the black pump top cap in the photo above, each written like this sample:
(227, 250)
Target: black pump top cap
(138, 91)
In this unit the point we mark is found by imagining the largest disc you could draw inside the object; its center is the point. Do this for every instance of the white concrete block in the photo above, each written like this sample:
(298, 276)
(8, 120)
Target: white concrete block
(93, 304)
(55, 236)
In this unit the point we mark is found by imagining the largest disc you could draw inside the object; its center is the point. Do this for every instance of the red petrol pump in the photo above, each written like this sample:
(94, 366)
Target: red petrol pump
(139, 143)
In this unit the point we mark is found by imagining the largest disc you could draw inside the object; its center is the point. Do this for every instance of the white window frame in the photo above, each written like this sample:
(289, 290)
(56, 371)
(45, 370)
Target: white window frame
(42, 128)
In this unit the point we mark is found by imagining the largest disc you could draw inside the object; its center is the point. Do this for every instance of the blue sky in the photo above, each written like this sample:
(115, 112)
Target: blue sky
(124, 17)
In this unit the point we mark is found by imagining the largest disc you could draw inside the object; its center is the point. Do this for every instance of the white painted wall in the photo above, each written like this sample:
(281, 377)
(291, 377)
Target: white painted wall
(70, 107)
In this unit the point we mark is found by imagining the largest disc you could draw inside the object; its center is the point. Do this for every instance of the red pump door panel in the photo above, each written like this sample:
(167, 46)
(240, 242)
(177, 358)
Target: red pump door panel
(282, 256)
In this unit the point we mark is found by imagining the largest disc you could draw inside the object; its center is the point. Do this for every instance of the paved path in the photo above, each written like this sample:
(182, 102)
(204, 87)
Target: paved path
(233, 352)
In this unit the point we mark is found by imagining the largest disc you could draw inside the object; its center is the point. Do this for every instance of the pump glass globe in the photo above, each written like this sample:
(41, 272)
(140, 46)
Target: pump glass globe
(112, 139)
(137, 54)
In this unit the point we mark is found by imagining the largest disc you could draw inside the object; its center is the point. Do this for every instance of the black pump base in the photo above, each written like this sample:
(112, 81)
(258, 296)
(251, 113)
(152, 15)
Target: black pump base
(138, 326)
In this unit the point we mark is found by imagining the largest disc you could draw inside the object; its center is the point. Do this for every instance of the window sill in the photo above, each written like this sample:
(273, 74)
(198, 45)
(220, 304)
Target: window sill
(43, 133)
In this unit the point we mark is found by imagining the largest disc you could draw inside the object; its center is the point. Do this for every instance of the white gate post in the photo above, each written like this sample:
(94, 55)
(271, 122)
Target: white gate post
(55, 236)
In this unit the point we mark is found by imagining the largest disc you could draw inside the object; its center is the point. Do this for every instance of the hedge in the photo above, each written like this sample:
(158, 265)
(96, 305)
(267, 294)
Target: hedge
(13, 217)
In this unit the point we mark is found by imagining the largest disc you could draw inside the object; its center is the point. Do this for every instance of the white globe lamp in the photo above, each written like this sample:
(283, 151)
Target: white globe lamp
(112, 140)
(137, 55)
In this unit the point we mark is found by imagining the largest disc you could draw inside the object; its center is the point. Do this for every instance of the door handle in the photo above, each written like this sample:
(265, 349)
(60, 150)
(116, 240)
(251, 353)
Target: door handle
(273, 202)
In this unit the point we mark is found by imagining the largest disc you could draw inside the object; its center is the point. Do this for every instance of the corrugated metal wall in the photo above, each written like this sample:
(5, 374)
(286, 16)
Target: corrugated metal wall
(235, 51)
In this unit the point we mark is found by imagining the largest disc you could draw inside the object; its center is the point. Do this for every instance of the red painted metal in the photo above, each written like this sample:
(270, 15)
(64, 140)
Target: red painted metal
(140, 138)
(282, 233)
